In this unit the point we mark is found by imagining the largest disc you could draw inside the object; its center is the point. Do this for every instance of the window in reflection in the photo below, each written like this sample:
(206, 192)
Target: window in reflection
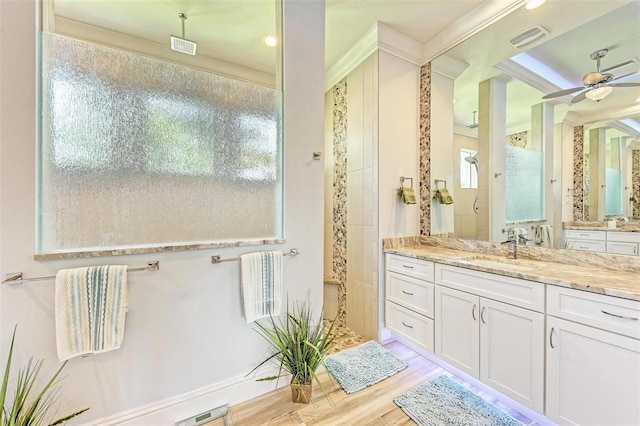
(523, 180)
(468, 168)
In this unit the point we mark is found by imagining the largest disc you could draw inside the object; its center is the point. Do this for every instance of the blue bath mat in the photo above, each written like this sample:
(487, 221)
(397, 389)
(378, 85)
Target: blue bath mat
(363, 366)
(445, 402)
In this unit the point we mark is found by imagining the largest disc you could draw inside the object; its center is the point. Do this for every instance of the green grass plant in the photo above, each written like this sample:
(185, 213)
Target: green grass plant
(30, 406)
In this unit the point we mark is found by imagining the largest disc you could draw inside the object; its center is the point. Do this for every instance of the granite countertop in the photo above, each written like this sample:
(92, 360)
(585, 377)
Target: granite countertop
(601, 280)
(633, 226)
(601, 228)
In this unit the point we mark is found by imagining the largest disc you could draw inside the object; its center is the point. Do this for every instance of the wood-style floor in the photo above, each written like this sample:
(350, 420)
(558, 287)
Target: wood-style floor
(371, 406)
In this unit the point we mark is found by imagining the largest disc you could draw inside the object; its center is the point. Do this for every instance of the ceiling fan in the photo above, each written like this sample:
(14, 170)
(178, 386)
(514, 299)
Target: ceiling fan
(598, 84)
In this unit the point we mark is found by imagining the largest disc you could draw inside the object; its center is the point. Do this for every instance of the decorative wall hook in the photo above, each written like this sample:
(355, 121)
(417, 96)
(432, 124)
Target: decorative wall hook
(317, 155)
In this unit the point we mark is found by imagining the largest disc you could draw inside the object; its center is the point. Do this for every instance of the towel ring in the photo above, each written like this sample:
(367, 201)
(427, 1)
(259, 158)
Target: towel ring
(402, 179)
(439, 181)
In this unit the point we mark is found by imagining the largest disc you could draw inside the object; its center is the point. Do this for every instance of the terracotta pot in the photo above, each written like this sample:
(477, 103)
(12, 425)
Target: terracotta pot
(301, 393)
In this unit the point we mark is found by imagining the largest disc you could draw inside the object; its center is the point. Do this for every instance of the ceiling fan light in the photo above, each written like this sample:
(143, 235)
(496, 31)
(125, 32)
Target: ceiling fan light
(598, 93)
(532, 4)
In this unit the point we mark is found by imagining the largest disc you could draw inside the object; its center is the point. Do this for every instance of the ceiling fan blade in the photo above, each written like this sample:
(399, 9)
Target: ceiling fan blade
(562, 92)
(631, 74)
(579, 97)
(623, 84)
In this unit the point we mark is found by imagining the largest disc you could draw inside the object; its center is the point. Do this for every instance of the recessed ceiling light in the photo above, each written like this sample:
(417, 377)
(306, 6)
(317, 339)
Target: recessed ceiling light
(532, 4)
(270, 41)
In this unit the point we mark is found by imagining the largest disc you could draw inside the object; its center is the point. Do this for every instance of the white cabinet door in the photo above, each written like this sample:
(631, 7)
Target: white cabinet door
(457, 333)
(622, 248)
(593, 376)
(512, 352)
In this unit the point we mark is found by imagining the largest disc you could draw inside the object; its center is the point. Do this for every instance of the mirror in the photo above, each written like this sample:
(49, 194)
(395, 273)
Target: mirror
(621, 137)
(556, 61)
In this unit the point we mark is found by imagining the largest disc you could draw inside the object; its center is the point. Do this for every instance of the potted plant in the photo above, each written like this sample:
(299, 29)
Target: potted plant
(298, 344)
(29, 406)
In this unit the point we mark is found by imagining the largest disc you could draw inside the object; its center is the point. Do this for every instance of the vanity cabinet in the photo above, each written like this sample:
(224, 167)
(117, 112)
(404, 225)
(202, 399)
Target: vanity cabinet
(410, 299)
(593, 359)
(617, 242)
(487, 328)
(623, 242)
(585, 240)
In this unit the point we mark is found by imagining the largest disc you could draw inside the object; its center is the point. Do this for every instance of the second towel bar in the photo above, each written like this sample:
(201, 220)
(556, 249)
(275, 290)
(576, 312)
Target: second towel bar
(218, 259)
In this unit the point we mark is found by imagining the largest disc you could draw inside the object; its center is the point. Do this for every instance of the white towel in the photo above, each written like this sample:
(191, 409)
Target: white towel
(261, 284)
(543, 235)
(90, 307)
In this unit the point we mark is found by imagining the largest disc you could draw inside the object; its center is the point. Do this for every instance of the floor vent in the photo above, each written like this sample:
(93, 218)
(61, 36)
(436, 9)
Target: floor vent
(205, 417)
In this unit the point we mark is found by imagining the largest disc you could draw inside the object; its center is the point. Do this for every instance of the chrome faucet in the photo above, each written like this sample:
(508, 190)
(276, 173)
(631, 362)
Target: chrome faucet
(512, 247)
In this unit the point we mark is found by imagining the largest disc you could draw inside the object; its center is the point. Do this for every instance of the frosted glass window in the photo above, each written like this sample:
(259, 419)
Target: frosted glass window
(136, 151)
(612, 196)
(468, 169)
(523, 179)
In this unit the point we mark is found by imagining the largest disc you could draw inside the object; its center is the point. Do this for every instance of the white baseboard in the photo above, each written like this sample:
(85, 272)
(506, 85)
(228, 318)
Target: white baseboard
(172, 410)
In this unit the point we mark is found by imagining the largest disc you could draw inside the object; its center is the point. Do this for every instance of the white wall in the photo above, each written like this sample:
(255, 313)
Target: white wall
(187, 347)
(398, 154)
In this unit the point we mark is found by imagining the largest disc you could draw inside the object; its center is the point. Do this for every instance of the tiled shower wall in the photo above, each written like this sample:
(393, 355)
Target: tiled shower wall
(425, 149)
(339, 195)
(578, 173)
(350, 190)
(635, 180)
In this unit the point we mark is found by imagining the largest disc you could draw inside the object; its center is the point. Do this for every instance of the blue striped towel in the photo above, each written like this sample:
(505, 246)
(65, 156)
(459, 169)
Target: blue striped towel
(90, 308)
(261, 284)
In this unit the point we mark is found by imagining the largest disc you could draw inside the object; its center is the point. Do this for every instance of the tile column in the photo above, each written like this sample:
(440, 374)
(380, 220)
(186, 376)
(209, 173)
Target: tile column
(578, 173)
(492, 113)
(597, 161)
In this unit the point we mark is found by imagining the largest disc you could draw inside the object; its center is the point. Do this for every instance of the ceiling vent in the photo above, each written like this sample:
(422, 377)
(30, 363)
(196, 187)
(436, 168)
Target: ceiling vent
(528, 37)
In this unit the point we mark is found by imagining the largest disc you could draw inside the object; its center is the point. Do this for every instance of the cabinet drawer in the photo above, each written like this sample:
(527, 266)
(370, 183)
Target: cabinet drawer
(622, 248)
(606, 312)
(515, 291)
(415, 327)
(628, 237)
(416, 268)
(411, 293)
(580, 234)
(584, 245)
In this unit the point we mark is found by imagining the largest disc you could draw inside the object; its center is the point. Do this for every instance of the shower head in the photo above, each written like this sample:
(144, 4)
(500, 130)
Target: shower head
(473, 159)
(474, 124)
(181, 44)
